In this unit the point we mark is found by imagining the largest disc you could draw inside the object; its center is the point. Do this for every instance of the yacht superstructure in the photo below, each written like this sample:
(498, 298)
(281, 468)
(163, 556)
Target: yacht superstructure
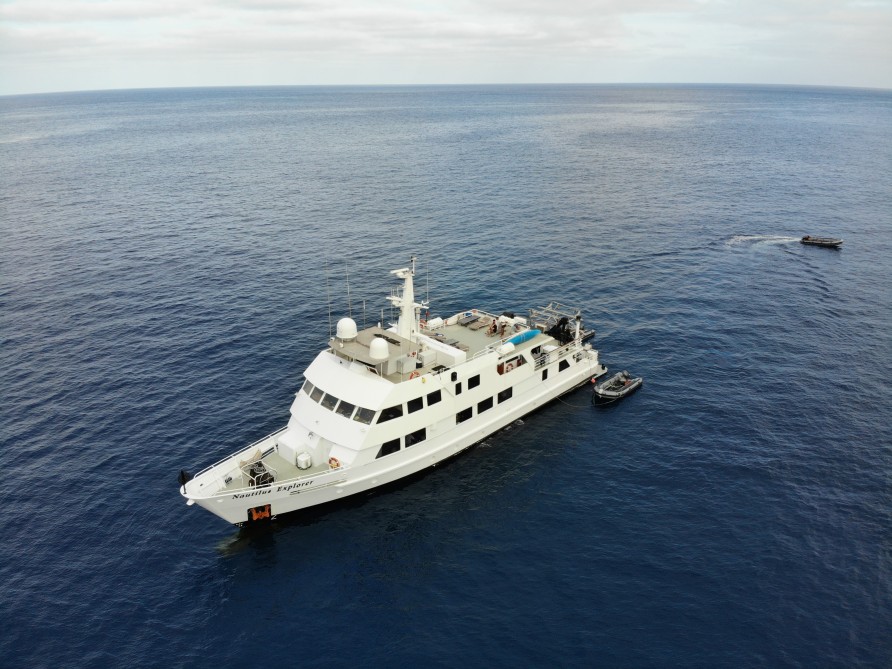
(379, 404)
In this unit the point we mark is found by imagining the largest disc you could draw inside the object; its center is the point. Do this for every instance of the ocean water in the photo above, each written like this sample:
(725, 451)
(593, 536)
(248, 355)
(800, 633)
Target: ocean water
(167, 262)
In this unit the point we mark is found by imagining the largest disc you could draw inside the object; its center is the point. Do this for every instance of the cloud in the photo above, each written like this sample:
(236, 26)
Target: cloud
(20, 11)
(563, 39)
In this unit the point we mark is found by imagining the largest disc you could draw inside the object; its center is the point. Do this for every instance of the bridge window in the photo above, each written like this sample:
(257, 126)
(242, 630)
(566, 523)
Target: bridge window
(463, 415)
(364, 415)
(307, 387)
(345, 409)
(485, 405)
(329, 401)
(474, 381)
(415, 405)
(317, 394)
(562, 365)
(434, 397)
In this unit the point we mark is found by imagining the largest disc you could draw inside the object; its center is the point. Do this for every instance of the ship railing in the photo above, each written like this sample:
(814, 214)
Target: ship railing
(234, 457)
(542, 359)
(490, 348)
(223, 473)
(549, 315)
(544, 318)
(555, 355)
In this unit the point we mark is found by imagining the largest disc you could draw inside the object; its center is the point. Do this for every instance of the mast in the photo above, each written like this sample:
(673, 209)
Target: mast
(407, 326)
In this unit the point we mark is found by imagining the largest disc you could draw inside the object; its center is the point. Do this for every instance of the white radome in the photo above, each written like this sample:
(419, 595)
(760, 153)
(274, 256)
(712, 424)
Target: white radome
(346, 330)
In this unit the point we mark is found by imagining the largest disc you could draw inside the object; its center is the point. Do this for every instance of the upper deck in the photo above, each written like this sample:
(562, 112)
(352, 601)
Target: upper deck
(469, 331)
(438, 345)
(475, 331)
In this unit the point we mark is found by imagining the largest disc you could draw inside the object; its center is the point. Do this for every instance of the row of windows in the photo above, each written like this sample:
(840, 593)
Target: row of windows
(393, 445)
(340, 407)
(507, 366)
(348, 410)
(362, 415)
(412, 406)
(503, 396)
(483, 405)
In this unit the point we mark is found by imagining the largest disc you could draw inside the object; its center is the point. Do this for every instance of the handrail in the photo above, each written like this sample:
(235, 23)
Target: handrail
(239, 452)
(552, 356)
(227, 491)
(559, 352)
(489, 348)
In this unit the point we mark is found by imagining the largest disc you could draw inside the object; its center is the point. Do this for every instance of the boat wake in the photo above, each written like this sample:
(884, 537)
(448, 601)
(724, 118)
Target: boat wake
(752, 240)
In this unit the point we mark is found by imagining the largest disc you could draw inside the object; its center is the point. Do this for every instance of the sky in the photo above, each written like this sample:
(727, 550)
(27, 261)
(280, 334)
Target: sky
(65, 45)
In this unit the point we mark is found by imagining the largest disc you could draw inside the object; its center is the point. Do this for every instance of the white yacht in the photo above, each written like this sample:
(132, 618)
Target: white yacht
(380, 404)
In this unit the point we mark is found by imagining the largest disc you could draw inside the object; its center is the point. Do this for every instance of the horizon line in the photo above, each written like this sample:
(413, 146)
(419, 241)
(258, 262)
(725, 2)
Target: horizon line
(445, 85)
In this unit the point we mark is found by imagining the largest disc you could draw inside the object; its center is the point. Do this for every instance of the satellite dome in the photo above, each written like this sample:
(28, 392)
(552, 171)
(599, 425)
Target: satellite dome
(379, 349)
(346, 329)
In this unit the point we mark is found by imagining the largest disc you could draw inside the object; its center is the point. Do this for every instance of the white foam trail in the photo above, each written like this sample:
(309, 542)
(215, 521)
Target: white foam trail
(760, 239)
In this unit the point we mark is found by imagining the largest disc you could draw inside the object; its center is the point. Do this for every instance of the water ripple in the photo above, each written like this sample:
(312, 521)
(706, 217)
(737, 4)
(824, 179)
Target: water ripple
(166, 260)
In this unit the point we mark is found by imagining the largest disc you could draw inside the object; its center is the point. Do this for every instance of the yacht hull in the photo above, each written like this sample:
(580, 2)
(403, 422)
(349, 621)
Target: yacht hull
(268, 502)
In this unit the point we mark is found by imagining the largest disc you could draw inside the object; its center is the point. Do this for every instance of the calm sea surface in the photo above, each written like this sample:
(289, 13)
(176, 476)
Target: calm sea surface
(166, 257)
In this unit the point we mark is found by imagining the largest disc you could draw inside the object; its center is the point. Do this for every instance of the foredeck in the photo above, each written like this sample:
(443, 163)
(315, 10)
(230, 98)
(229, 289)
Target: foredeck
(234, 473)
(280, 468)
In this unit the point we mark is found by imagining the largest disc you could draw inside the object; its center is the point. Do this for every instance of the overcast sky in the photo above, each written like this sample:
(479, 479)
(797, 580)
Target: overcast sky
(63, 45)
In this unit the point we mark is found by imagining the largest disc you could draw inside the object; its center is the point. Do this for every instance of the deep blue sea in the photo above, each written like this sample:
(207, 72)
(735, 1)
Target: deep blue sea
(166, 263)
